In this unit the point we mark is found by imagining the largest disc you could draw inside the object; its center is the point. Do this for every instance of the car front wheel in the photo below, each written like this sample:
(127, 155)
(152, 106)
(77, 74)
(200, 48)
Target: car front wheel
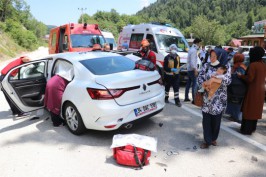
(73, 119)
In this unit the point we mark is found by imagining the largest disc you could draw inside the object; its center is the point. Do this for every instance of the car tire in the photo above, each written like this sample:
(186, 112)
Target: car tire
(73, 119)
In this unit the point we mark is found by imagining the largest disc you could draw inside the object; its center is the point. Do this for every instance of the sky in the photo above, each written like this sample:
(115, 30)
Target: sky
(59, 12)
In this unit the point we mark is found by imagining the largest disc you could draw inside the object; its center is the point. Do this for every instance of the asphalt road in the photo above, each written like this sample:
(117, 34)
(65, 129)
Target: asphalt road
(34, 148)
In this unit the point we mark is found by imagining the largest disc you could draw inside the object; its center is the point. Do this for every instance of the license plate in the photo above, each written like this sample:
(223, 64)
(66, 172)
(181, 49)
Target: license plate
(145, 109)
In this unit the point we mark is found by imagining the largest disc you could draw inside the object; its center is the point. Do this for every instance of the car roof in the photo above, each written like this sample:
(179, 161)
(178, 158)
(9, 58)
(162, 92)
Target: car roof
(78, 56)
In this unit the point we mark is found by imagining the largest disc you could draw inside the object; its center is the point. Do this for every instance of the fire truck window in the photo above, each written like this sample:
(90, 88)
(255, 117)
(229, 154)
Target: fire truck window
(65, 45)
(150, 38)
(135, 41)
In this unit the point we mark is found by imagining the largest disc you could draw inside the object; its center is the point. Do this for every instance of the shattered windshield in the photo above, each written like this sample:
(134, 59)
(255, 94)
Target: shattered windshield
(86, 40)
(164, 41)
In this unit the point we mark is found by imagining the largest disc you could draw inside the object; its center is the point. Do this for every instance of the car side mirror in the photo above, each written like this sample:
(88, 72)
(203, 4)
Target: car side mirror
(111, 46)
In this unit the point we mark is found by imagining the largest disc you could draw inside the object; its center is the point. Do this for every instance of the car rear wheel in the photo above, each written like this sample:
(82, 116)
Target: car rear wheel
(73, 119)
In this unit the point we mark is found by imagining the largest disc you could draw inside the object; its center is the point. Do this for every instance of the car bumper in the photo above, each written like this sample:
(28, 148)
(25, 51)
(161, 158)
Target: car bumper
(106, 113)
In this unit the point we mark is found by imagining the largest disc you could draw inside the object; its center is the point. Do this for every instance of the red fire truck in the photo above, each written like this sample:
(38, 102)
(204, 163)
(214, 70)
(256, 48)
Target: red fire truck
(75, 38)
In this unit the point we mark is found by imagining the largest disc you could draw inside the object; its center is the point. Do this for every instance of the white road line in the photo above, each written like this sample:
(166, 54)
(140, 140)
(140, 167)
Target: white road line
(225, 128)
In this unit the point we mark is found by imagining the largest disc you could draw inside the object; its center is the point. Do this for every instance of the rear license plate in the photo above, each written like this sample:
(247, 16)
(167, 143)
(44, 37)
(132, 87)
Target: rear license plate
(145, 109)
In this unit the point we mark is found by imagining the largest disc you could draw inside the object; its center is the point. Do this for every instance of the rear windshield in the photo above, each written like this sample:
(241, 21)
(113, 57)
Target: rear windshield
(108, 65)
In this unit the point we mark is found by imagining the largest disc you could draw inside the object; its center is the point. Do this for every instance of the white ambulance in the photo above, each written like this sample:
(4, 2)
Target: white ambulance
(160, 36)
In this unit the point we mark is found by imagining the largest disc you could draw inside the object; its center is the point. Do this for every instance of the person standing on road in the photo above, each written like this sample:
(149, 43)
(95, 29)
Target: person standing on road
(252, 106)
(106, 47)
(4, 71)
(202, 53)
(212, 109)
(233, 109)
(231, 54)
(146, 52)
(171, 70)
(192, 69)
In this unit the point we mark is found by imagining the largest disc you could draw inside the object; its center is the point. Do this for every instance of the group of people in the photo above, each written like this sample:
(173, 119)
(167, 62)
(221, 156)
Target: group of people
(248, 106)
(213, 80)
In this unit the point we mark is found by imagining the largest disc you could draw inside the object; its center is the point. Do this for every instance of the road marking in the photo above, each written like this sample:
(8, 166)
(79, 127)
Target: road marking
(225, 128)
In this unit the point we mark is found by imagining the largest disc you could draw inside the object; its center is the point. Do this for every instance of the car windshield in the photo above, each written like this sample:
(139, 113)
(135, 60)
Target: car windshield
(108, 65)
(164, 41)
(86, 40)
(111, 41)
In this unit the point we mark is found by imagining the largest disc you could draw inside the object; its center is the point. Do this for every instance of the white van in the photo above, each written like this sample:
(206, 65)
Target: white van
(160, 36)
(109, 38)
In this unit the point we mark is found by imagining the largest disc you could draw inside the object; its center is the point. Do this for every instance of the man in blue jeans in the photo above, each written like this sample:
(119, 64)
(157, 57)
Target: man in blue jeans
(192, 69)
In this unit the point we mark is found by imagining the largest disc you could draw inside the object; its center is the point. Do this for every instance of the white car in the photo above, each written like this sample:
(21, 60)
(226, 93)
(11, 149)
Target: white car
(105, 92)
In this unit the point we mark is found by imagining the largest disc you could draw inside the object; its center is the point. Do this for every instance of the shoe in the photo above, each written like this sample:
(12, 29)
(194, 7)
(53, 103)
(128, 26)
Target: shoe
(186, 99)
(192, 102)
(20, 115)
(214, 143)
(57, 124)
(204, 146)
(178, 104)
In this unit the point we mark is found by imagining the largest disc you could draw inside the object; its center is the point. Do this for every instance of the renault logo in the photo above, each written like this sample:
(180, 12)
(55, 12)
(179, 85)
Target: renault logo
(144, 87)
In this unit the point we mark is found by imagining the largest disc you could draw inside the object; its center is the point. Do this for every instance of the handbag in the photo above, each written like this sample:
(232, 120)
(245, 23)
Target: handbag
(198, 99)
(131, 156)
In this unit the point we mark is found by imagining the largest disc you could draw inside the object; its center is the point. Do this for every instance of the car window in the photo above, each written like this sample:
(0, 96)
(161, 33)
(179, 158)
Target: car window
(135, 41)
(108, 65)
(32, 70)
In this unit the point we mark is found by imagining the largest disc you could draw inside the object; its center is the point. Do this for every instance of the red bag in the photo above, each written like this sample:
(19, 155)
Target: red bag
(131, 156)
(144, 64)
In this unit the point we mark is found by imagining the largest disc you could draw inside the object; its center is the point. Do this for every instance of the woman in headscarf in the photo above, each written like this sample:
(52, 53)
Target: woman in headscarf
(252, 107)
(212, 109)
(236, 88)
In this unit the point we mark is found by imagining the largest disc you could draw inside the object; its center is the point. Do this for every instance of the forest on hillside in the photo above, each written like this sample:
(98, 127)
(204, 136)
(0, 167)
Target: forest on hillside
(17, 22)
(216, 21)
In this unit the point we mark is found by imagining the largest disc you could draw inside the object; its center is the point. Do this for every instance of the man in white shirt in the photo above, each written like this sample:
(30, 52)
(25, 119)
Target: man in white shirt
(202, 53)
(192, 71)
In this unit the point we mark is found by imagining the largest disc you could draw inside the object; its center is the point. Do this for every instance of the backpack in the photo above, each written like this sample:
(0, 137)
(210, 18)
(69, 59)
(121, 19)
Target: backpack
(144, 64)
(236, 90)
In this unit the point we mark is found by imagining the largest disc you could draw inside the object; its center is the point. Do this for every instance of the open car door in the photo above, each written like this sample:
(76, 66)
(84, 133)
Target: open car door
(25, 85)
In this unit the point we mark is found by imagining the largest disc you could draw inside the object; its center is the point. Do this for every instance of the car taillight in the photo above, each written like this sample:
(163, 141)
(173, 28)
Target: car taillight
(99, 94)
(107, 94)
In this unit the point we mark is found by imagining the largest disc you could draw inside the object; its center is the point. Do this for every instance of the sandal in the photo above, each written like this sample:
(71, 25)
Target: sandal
(204, 146)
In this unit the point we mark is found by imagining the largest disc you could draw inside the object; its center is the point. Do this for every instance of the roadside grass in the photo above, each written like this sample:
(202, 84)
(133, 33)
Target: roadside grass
(8, 47)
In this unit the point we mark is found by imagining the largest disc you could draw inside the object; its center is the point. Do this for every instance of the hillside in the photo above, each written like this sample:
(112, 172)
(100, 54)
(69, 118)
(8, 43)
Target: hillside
(19, 30)
(8, 47)
(180, 13)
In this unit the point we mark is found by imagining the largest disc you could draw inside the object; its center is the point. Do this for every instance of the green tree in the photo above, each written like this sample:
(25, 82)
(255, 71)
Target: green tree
(250, 20)
(210, 31)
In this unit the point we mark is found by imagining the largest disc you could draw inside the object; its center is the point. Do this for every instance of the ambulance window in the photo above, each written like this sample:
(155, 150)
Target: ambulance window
(53, 39)
(150, 38)
(135, 41)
